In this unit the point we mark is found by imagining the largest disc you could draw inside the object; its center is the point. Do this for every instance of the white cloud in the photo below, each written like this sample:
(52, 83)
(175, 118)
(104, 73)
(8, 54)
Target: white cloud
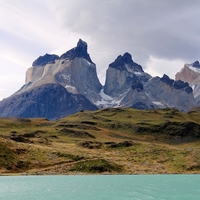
(10, 84)
(158, 67)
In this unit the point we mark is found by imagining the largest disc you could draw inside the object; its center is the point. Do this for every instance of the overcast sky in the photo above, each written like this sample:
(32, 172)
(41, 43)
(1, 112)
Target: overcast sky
(161, 35)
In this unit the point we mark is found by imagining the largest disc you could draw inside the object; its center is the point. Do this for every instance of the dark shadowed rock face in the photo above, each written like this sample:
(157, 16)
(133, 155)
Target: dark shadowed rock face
(196, 64)
(46, 59)
(179, 85)
(136, 84)
(51, 101)
(80, 51)
(167, 80)
(121, 62)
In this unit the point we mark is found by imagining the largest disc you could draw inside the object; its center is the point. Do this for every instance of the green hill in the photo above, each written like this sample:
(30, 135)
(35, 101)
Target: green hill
(108, 141)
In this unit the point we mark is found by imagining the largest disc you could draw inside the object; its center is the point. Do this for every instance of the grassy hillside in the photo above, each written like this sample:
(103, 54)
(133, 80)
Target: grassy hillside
(108, 141)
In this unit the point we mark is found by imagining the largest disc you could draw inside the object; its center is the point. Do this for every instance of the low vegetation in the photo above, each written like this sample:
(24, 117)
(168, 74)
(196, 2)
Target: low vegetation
(107, 141)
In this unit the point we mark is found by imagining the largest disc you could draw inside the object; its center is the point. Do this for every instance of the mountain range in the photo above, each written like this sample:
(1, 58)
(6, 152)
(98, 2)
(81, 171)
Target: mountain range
(58, 86)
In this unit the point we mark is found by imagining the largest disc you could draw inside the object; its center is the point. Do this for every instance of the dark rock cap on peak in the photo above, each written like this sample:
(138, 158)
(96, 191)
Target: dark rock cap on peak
(82, 45)
(179, 85)
(167, 80)
(46, 59)
(121, 62)
(196, 64)
(80, 51)
(127, 58)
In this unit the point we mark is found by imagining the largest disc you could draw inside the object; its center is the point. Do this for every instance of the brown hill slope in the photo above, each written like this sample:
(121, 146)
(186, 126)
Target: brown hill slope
(105, 141)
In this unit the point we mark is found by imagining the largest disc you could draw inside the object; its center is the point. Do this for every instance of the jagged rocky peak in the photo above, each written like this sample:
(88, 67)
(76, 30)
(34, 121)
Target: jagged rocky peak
(46, 59)
(179, 85)
(167, 80)
(189, 72)
(74, 70)
(165, 92)
(195, 64)
(125, 62)
(59, 86)
(136, 97)
(121, 74)
(80, 51)
(82, 45)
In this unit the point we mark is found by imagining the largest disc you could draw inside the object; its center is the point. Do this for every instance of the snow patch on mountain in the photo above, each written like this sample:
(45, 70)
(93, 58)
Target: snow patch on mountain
(108, 101)
(158, 103)
(194, 69)
(71, 89)
(131, 70)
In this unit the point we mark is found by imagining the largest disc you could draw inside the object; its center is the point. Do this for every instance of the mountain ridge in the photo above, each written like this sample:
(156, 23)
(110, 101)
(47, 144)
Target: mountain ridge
(126, 85)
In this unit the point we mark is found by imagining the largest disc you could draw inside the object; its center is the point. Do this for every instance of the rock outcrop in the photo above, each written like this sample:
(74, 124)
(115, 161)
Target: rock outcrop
(191, 74)
(121, 73)
(165, 92)
(57, 86)
(124, 85)
(51, 101)
(74, 70)
(187, 74)
(137, 98)
(80, 51)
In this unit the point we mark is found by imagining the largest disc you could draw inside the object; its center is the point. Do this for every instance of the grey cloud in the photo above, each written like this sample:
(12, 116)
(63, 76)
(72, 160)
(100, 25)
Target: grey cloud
(161, 28)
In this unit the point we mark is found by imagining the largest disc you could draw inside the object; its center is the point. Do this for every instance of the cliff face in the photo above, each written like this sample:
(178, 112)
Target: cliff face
(37, 70)
(121, 73)
(137, 98)
(165, 92)
(51, 101)
(129, 86)
(60, 86)
(56, 86)
(191, 74)
(187, 74)
(74, 70)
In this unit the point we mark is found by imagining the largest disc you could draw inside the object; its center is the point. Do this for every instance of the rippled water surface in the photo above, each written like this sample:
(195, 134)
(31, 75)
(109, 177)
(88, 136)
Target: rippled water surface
(96, 187)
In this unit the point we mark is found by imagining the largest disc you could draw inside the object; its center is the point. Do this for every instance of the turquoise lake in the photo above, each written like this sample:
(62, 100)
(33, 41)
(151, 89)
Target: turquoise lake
(100, 187)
